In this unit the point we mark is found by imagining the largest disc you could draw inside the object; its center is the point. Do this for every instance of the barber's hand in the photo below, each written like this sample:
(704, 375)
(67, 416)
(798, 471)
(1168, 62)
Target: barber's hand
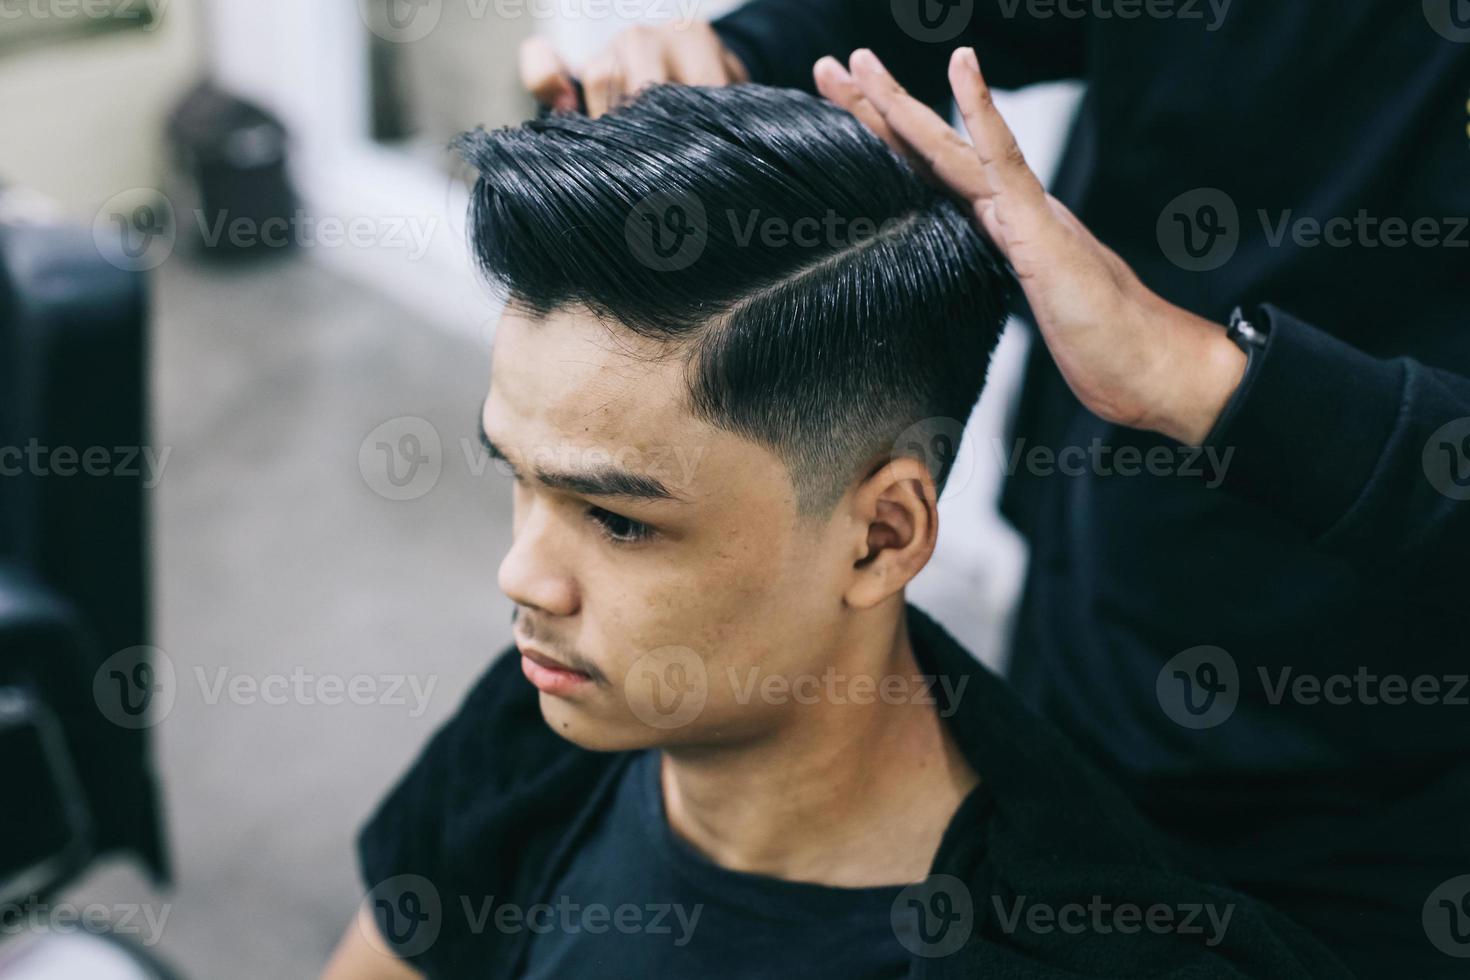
(687, 51)
(1130, 357)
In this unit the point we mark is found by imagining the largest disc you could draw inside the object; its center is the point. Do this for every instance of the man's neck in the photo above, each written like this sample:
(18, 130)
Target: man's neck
(844, 794)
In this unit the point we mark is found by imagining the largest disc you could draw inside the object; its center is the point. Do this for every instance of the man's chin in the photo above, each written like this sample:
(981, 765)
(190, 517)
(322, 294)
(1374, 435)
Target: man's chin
(584, 729)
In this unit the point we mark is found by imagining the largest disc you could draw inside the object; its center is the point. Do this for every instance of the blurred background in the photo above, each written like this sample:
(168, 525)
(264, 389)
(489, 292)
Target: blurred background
(248, 538)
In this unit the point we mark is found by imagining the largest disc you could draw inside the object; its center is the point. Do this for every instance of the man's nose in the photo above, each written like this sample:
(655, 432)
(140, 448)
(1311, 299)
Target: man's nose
(532, 574)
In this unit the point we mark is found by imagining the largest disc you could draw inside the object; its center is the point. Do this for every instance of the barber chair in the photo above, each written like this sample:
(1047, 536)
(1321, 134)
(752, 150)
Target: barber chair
(76, 782)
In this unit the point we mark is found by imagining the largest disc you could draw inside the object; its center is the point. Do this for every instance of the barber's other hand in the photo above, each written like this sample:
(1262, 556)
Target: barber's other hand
(1131, 357)
(686, 51)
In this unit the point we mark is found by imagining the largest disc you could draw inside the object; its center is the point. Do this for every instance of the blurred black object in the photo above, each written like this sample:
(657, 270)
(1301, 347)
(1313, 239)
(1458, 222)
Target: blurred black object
(228, 156)
(74, 563)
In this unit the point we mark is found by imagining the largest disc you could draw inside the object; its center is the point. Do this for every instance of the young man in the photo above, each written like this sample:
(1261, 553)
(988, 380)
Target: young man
(741, 333)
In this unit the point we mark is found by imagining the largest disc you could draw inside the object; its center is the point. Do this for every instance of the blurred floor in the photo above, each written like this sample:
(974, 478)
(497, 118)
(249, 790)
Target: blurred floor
(273, 556)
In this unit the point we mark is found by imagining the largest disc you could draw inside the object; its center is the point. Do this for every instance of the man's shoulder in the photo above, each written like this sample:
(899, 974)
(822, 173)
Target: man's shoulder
(494, 789)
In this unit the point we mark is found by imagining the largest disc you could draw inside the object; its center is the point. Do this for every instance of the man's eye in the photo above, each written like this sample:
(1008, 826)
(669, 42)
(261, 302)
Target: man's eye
(616, 527)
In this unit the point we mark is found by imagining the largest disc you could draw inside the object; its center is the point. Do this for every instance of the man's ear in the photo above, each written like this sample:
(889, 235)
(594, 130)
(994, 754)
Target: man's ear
(895, 511)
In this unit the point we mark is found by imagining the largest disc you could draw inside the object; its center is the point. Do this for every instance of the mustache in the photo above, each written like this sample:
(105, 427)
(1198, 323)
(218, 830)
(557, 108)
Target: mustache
(572, 659)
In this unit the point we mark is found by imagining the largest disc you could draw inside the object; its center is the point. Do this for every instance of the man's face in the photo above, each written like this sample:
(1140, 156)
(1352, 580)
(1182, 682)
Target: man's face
(660, 558)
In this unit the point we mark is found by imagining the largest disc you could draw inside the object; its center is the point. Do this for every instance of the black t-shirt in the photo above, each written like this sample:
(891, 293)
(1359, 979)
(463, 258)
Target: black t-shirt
(637, 901)
(465, 859)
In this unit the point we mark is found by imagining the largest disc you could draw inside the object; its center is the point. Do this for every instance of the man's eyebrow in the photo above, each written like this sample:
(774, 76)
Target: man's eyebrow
(601, 481)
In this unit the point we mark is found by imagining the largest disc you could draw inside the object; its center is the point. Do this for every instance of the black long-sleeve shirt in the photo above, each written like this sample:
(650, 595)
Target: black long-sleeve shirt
(1328, 145)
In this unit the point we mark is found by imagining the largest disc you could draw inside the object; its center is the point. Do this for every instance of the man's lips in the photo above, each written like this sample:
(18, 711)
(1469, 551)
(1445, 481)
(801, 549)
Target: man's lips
(549, 675)
(550, 663)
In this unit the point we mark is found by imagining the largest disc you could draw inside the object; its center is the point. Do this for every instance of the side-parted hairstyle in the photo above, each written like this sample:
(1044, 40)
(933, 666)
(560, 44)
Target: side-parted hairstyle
(825, 299)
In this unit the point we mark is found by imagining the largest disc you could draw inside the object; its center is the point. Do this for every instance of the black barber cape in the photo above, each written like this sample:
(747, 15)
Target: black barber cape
(495, 809)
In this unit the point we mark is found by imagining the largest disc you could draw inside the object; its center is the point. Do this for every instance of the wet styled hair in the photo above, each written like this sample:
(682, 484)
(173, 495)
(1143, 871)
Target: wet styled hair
(826, 299)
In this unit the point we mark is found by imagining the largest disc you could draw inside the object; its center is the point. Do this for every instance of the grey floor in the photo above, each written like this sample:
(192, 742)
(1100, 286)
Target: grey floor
(273, 555)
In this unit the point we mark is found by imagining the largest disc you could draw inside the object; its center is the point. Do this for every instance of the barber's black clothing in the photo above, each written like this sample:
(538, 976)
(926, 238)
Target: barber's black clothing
(685, 916)
(1339, 539)
(491, 822)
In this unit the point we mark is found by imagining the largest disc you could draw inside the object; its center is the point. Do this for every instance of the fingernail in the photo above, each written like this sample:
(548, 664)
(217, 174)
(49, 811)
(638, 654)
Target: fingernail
(830, 63)
(967, 55)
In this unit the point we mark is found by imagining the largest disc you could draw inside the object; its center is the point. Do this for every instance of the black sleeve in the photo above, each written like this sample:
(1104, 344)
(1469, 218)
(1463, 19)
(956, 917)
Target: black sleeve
(1370, 457)
(780, 40)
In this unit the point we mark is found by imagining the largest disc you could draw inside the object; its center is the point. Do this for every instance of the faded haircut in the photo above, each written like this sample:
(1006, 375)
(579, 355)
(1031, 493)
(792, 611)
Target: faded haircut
(825, 299)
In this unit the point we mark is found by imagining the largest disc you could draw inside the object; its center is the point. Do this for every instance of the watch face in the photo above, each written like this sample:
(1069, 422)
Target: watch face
(1245, 334)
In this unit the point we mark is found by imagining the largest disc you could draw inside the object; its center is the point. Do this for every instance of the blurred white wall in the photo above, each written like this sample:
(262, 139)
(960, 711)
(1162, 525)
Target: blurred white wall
(83, 119)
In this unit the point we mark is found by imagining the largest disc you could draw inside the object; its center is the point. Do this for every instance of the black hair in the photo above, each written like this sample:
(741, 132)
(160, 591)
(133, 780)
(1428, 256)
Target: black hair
(825, 297)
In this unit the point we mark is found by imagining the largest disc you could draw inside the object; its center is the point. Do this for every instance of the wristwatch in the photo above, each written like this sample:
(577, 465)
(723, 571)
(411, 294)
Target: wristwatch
(1251, 339)
(1247, 336)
